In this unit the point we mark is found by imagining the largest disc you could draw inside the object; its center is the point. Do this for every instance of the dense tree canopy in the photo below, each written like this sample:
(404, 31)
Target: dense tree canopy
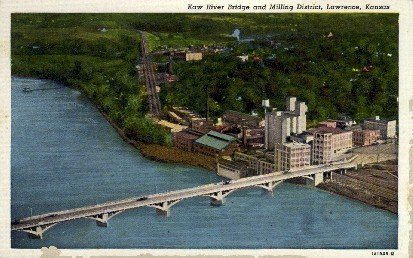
(354, 71)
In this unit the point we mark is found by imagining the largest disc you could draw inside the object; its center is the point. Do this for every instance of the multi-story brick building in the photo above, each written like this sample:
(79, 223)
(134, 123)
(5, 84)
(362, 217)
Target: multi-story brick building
(292, 156)
(184, 140)
(329, 143)
(251, 128)
(365, 137)
(259, 163)
(387, 127)
(253, 138)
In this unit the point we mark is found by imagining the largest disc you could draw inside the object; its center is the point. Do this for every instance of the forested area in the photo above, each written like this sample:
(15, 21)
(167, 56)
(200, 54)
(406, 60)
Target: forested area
(97, 53)
(352, 72)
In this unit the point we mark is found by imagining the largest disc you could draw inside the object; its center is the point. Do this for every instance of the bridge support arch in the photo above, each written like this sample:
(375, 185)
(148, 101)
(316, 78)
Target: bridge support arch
(37, 232)
(102, 220)
(163, 208)
(218, 198)
(269, 186)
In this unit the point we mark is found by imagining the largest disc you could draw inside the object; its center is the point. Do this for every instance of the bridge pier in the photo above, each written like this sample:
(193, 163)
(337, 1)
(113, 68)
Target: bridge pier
(37, 232)
(218, 198)
(35, 236)
(269, 187)
(217, 202)
(314, 179)
(318, 178)
(163, 209)
(102, 220)
(161, 212)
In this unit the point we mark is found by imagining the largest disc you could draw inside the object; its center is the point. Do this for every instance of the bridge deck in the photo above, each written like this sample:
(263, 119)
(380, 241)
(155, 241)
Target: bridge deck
(204, 190)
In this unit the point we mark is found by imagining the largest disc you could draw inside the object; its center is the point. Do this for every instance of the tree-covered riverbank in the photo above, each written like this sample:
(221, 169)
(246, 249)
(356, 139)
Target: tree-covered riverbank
(99, 60)
(351, 70)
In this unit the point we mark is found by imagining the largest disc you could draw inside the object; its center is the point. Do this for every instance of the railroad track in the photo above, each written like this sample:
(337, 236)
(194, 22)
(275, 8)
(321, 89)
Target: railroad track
(150, 79)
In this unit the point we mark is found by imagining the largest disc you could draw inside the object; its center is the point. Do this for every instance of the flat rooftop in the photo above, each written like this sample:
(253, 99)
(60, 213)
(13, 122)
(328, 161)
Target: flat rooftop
(325, 129)
(381, 120)
(295, 144)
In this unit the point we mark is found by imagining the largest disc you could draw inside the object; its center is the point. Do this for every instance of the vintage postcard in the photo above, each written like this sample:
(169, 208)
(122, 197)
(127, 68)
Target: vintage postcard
(213, 128)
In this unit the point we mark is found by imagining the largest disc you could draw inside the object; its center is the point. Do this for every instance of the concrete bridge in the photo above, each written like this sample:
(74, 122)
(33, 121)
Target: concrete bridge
(35, 226)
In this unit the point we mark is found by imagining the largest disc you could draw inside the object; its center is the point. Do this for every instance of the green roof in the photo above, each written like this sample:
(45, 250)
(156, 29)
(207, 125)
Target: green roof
(216, 140)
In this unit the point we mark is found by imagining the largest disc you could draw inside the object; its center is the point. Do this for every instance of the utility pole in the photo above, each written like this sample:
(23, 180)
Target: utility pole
(206, 103)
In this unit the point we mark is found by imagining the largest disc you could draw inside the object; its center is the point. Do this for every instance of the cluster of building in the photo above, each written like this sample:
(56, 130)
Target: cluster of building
(199, 136)
(234, 130)
(279, 142)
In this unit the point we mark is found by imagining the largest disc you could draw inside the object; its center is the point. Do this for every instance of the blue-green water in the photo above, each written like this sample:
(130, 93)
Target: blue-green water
(66, 155)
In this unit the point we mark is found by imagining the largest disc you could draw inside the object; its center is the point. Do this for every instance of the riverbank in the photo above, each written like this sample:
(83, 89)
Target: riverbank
(373, 185)
(164, 153)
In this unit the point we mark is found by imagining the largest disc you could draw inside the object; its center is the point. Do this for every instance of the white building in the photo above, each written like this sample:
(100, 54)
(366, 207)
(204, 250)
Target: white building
(281, 124)
(292, 156)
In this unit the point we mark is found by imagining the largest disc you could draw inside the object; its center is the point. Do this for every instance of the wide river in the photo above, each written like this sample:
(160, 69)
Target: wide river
(66, 155)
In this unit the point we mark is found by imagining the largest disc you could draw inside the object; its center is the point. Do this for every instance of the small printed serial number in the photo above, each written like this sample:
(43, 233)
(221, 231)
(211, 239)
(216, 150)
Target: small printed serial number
(382, 253)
